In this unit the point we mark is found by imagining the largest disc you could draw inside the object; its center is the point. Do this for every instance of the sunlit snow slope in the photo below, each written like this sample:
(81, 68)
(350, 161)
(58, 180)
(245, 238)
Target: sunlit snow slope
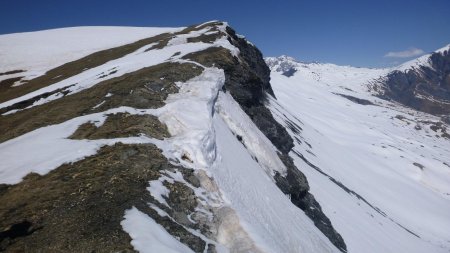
(378, 170)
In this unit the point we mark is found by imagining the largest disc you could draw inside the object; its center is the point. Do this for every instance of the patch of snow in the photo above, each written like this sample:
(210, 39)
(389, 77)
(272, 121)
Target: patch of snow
(11, 112)
(158, 210)
(207, 22)
(159, 191)
(182, 38)
(98, 105)
(211, 32)
(148, 236)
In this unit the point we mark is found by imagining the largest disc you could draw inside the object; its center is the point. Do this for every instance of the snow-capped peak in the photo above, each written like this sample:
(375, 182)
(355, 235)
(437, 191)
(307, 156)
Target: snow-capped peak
(285, 64)
(442, 50)
(329, 73)
(422, 61)
(286, 60)
(289, 65)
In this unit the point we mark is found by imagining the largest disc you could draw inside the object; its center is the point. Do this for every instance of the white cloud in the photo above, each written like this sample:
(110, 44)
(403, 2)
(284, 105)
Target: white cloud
(411, 52)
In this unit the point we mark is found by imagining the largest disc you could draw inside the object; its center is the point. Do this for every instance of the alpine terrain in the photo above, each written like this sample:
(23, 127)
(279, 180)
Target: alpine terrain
(126, 139)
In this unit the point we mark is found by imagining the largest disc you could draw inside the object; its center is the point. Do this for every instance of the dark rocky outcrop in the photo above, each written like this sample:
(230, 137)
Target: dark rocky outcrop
(424, 88)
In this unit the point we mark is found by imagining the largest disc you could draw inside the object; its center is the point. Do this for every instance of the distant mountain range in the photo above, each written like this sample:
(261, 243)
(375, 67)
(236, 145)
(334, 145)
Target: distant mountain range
(422, 83)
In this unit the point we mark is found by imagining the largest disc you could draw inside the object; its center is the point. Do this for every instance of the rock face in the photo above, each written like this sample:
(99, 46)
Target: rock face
(42, 212)
(424, 87)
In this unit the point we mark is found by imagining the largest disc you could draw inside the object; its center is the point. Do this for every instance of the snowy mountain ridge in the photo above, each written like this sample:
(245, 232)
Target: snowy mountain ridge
(187, 140)
(423, 60)
(155, 142)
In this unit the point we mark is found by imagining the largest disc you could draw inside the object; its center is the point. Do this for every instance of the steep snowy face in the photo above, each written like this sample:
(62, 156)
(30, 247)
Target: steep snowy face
(380, 171)
(163, 144)
(422, 84)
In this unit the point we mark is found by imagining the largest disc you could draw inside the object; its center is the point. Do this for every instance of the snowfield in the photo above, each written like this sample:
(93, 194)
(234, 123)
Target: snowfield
(384, 184)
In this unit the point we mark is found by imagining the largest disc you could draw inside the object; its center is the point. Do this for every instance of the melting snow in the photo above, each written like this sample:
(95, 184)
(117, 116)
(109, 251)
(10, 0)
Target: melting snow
(47, 148)
(159, 191)
(148, 236)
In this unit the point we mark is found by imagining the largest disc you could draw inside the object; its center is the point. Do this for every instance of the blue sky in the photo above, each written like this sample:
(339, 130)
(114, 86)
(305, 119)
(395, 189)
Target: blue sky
(358, 33)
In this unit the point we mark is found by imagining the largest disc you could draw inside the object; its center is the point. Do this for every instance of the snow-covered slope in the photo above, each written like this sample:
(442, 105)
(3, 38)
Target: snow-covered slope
(38, 52)
(379, 170)
(143, 150)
